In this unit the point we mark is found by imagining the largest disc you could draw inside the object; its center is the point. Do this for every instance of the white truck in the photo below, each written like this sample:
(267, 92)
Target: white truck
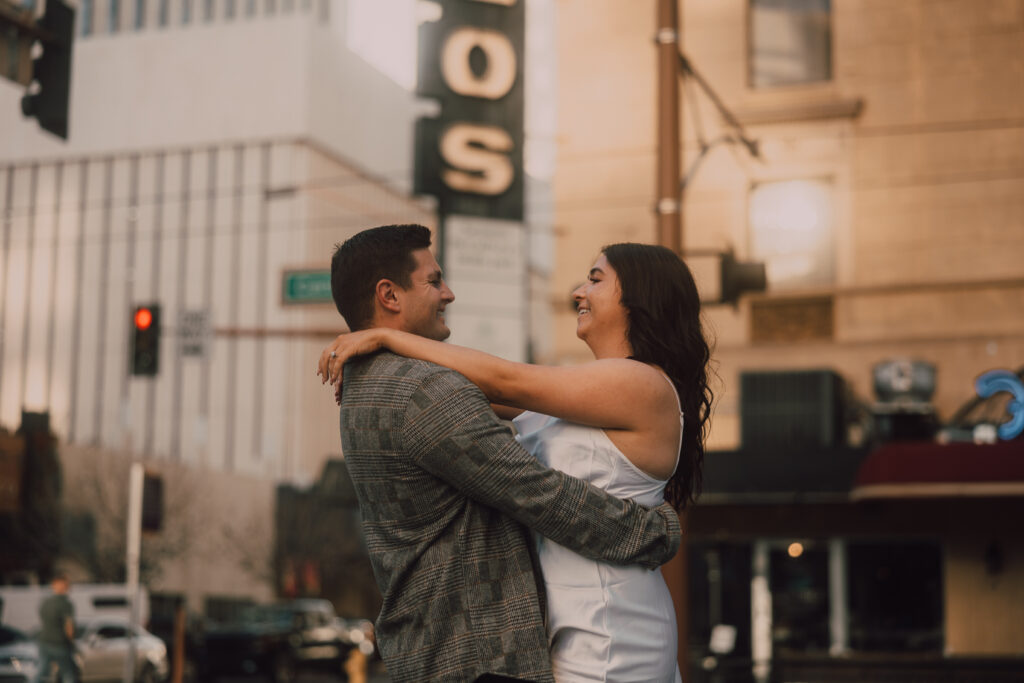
(19, 605)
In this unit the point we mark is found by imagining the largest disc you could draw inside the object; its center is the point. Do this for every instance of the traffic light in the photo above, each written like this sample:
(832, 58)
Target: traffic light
(51, 70)
(739, 277)
(146, 340)
(152, 502)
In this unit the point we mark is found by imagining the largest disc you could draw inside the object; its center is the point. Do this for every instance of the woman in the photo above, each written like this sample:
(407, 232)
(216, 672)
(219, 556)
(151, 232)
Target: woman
(616, 422)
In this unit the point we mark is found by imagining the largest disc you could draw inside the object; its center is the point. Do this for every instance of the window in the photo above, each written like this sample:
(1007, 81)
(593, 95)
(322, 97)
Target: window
(791, 232)
(114, 16)
(800, 599)
(163, 10)
(790, 42)
(140, 14)
(87, 9)
(896, 595)
(111, 632)
(208, 10)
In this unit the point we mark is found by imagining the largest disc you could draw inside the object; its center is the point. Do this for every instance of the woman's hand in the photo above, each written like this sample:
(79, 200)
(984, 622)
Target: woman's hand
(342, 349)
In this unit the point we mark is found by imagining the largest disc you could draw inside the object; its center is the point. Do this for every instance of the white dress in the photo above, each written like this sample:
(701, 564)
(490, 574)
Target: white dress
(605, 622)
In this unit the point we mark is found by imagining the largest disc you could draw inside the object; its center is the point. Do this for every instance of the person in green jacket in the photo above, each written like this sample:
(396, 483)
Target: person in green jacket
(57, 636)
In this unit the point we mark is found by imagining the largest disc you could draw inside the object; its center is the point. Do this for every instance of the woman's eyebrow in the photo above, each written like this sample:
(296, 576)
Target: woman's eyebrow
(596, 271)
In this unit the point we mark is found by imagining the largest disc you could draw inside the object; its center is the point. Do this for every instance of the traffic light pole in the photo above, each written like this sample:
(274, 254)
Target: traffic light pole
(134, 544)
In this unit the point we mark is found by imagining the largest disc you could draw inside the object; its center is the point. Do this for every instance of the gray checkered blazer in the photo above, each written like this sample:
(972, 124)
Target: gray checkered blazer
(448, 499)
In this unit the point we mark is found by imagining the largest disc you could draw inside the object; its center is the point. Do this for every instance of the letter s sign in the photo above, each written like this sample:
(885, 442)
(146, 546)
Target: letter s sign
(471, 157)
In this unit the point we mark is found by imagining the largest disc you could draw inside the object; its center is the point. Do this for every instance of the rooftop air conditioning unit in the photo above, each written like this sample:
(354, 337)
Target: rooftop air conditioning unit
(794, 408)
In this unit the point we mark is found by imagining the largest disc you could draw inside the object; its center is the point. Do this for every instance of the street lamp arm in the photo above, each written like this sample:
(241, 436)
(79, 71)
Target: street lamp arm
(686, 68)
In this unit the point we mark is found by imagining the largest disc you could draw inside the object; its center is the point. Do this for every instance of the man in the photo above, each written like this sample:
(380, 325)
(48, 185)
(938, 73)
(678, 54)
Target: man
(57, 635)
(448, 497)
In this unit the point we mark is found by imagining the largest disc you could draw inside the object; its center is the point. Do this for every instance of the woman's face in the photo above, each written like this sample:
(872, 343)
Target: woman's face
(600, 315)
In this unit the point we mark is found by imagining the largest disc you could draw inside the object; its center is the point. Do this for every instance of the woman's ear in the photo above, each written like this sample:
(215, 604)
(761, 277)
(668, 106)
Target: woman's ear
(386, 294)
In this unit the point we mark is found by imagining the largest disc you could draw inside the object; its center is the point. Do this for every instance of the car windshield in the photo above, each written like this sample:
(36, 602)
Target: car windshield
(11, 635)
(275, 615)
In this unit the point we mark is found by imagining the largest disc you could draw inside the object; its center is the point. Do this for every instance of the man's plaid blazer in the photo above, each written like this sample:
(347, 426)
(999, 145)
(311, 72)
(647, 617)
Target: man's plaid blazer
(448, 498)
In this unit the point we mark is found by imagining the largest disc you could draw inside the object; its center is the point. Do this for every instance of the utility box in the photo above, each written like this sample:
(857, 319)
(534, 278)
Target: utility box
(793, 408)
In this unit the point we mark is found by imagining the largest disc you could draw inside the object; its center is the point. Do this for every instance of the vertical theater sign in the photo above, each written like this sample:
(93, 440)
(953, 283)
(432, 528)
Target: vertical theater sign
(471, 62)
(470, 157)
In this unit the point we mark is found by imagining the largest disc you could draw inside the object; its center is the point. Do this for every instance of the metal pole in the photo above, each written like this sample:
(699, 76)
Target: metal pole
(668, 206)
(670, 235)
(132, 564)
(838, 598)
(761, 612)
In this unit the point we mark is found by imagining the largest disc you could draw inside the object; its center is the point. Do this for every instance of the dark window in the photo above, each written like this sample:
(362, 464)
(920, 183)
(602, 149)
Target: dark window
(112, 632)
(895, 597)
(110, 601)
(114, 16)
(86, 12)
(719, 588)
(800, 609)
(140, 14)
(790, 42)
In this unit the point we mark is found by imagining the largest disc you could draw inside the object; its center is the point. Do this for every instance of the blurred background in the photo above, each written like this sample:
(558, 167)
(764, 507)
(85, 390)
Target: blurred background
(844, 177)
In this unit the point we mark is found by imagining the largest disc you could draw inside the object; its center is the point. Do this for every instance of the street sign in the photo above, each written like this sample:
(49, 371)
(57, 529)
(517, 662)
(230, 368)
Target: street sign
(194, 332)
(306, 287)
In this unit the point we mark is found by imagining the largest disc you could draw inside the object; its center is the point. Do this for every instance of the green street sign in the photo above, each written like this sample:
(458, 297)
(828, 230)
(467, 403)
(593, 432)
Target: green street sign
(306, 287)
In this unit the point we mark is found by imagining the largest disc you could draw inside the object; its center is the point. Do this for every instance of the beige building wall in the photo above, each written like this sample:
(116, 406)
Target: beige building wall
(920, 133)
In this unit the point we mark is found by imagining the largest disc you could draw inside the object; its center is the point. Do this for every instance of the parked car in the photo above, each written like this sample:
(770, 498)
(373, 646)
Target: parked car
(276, 641)
(103, 647)
(19, 656)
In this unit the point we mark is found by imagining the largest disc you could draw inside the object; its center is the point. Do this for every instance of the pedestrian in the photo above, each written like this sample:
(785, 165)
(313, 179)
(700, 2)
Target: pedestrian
(57, 635)
(448, 497)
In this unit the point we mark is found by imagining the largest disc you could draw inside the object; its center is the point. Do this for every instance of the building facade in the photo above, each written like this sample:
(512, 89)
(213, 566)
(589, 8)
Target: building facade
(216, 153)
(887, 204)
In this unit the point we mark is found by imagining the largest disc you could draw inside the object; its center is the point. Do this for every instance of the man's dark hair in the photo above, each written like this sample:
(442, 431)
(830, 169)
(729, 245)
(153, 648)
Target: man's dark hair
(368, 257)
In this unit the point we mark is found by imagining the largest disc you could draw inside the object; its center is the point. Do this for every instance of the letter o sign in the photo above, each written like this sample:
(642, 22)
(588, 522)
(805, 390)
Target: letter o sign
(500, 75)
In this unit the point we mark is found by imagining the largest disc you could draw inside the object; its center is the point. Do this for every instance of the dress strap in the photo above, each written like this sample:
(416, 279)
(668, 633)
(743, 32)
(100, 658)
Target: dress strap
(679, 404)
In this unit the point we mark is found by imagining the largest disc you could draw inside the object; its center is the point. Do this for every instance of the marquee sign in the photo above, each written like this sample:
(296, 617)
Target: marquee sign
(471, 62)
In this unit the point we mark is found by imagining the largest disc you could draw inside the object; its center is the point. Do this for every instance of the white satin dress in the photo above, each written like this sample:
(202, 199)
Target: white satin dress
(605, 622)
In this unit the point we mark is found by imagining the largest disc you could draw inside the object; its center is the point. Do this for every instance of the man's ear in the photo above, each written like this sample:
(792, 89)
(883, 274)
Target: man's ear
(386, 294)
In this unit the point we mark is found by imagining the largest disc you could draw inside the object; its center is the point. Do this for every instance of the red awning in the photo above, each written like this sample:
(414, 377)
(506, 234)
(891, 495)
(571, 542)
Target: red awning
(930, 470)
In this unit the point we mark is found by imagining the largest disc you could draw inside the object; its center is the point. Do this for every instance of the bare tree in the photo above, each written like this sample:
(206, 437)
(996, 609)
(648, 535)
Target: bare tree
(96, 494)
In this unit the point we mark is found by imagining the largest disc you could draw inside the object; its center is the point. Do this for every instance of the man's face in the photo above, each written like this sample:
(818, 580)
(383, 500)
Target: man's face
(424, 301)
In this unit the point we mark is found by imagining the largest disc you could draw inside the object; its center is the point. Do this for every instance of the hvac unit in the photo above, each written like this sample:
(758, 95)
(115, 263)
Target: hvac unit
(792, 408)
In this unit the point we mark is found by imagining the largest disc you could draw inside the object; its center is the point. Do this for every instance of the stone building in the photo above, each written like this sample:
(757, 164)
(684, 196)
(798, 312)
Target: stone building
(887, 203)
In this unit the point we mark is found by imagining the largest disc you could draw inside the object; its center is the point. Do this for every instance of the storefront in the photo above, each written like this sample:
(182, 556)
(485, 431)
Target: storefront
(859, 564)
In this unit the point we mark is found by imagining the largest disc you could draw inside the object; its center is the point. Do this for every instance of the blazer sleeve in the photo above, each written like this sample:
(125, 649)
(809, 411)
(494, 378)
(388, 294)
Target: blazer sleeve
(450, 431)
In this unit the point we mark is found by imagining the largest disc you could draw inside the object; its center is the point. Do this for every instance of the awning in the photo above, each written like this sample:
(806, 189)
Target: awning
(936, 470)
(777, 474)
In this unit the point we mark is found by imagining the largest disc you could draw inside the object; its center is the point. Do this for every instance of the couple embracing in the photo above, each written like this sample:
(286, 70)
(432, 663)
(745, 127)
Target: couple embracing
(532, 558)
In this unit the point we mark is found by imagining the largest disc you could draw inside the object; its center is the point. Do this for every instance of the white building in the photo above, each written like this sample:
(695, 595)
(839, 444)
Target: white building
(213, 146)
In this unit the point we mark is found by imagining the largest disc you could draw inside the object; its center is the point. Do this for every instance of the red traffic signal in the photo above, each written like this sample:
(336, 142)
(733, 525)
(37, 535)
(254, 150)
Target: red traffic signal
(143, 318)
(145, 340)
